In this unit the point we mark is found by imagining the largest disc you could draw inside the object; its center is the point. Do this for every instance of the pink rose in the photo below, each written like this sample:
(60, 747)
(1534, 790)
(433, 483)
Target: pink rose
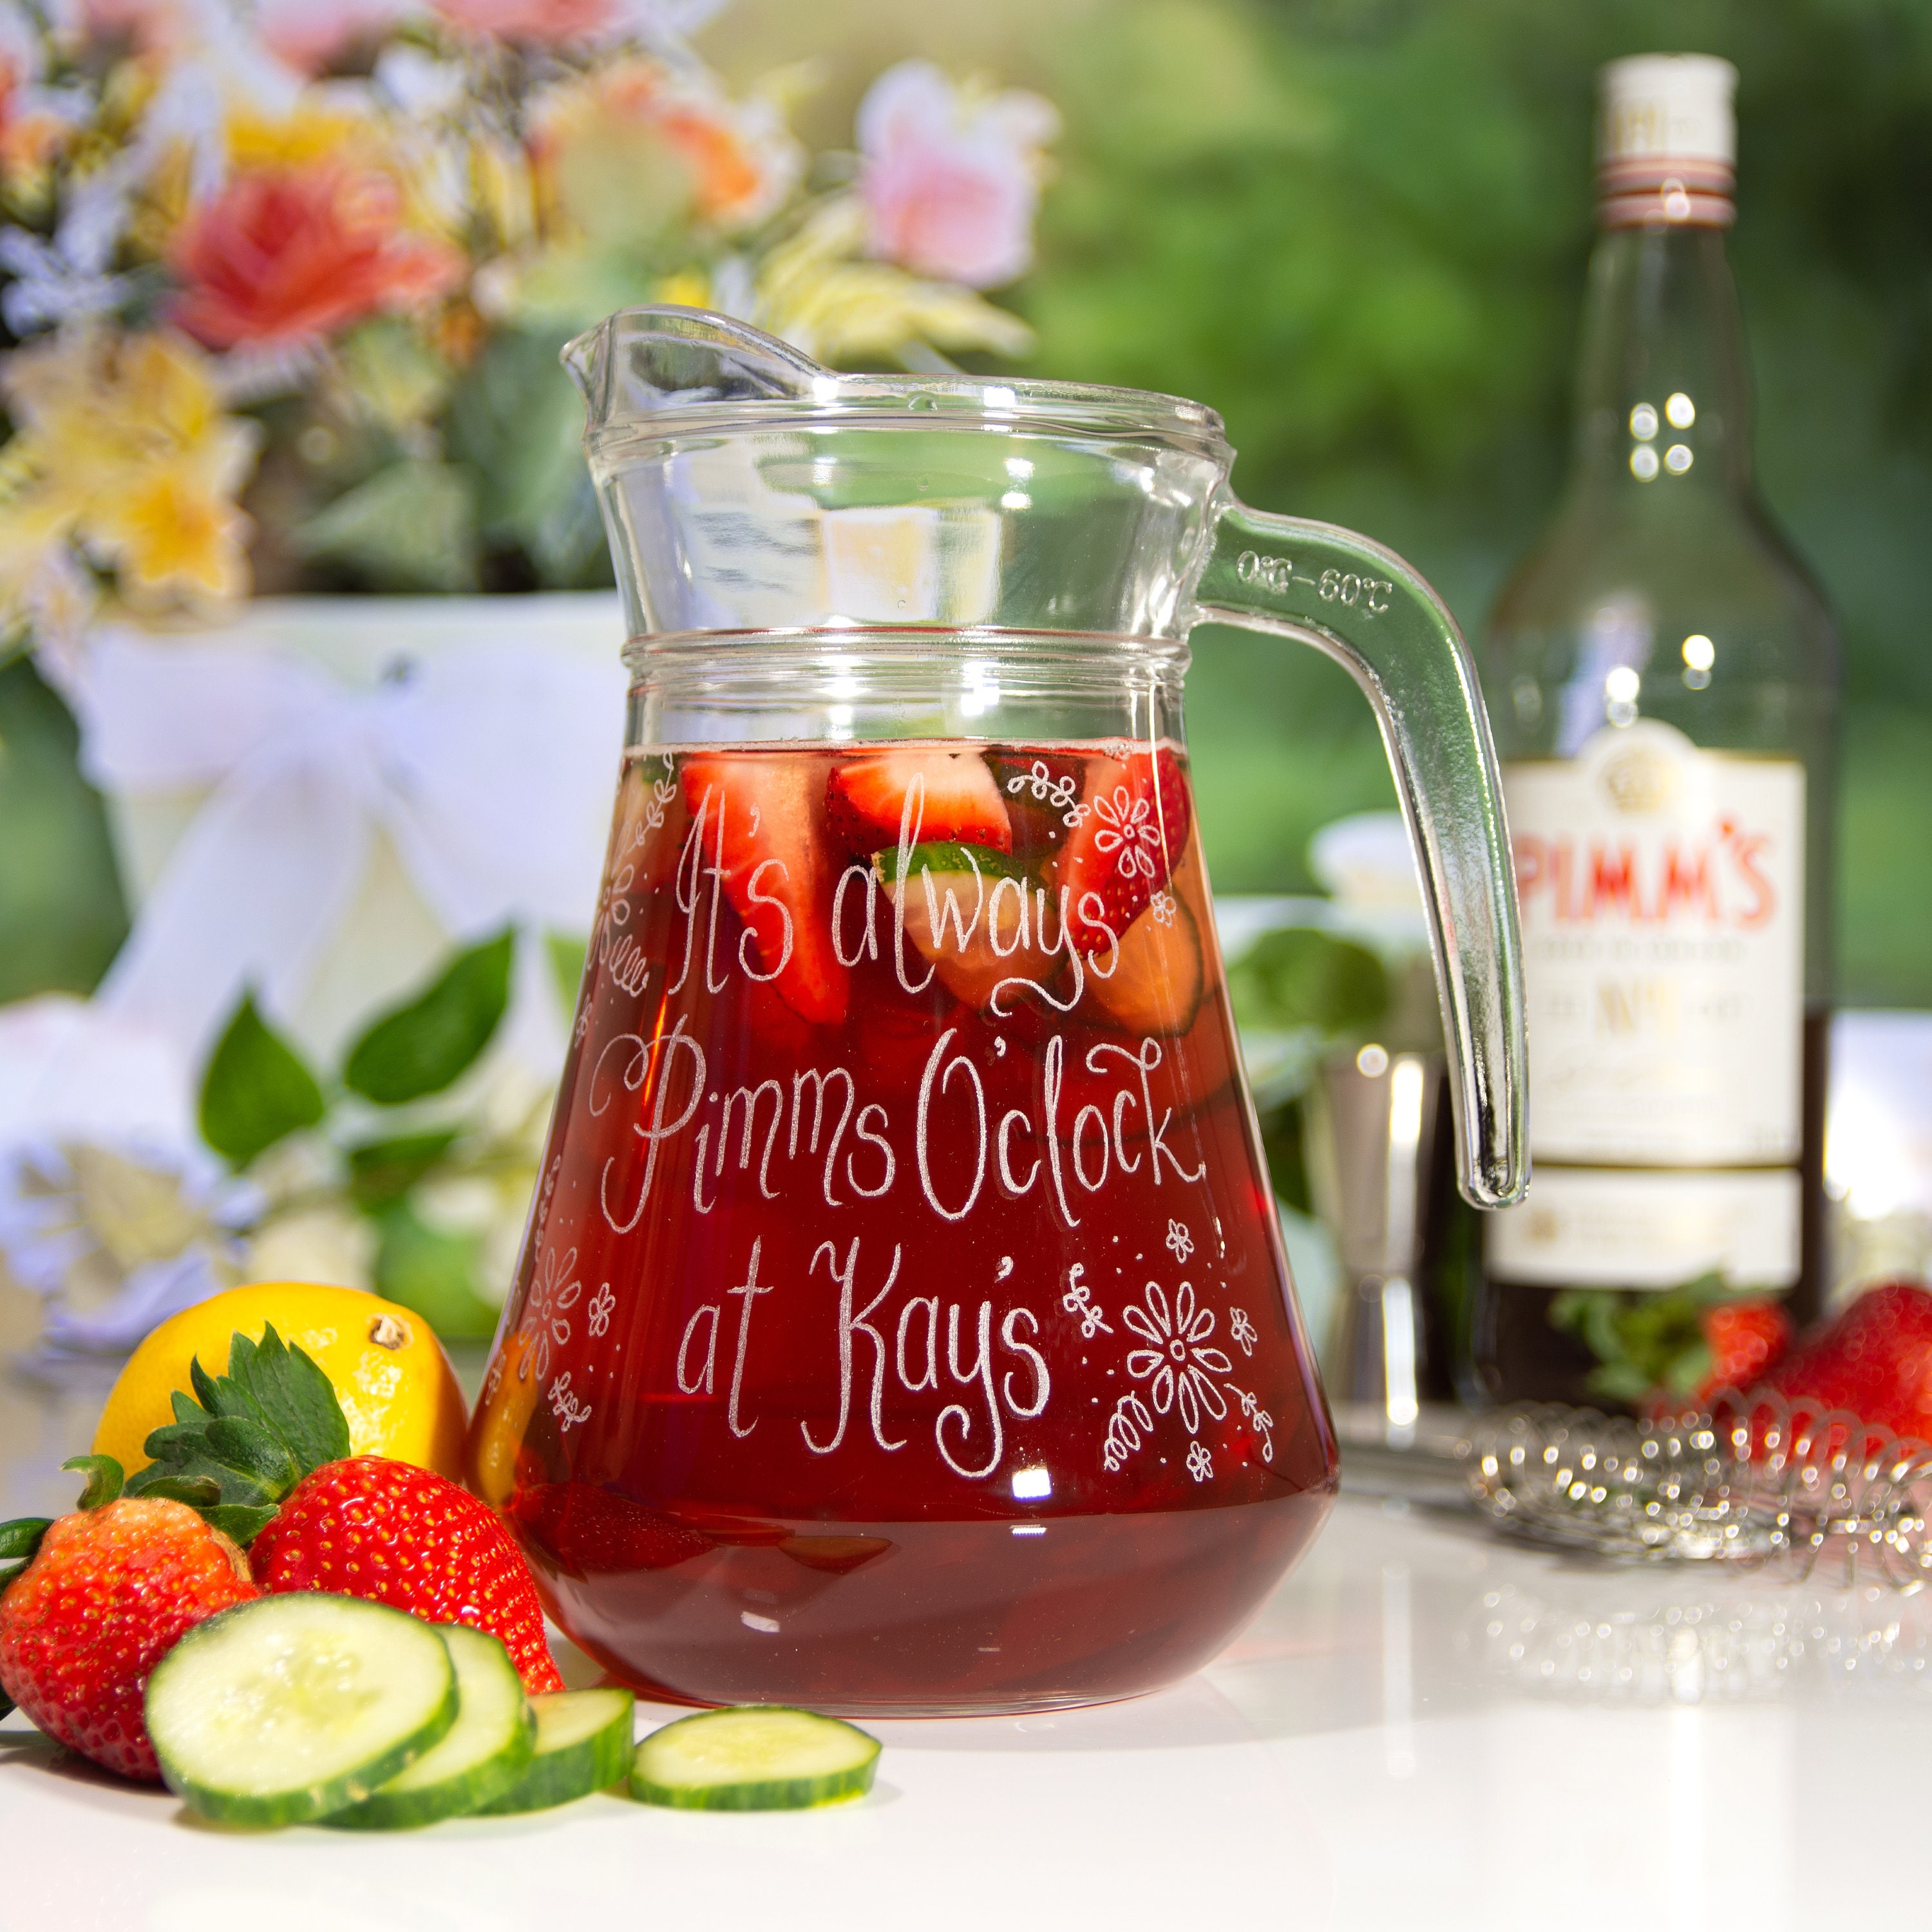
(951, 182)
(309, 34)
(536, 22)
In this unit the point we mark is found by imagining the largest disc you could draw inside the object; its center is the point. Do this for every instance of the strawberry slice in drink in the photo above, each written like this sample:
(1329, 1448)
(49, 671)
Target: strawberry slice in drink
(759, 820)
(1132, 831)
(926, 794)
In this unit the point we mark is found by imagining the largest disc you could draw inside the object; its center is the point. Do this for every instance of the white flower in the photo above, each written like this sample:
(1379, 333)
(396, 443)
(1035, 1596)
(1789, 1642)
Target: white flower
(564, 1406)
(1241, 1327)
(1200, 1464)
(1180, 1239)
(553, 1292)
(597, 1316)
(1177, 1363)
(1164, 908)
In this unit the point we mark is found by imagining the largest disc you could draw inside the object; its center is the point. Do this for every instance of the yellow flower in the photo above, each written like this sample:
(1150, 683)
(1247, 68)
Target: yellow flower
(814, 293)
(124, 450)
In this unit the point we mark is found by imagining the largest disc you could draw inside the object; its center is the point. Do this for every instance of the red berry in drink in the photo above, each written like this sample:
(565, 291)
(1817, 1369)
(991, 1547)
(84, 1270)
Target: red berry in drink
(924, 795)
(1130, 838)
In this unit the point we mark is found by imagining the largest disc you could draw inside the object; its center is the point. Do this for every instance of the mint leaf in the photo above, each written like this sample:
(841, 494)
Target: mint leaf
(244, 1440)
(381, 1172)
(257, 1090)
(423, 1046)
(105, 1477)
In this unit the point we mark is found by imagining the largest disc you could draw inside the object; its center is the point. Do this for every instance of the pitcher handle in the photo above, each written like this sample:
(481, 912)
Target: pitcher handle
(1376, 617)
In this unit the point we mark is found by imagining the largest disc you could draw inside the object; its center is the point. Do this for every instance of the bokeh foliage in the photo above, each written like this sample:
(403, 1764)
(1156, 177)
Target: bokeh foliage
(1358, 228)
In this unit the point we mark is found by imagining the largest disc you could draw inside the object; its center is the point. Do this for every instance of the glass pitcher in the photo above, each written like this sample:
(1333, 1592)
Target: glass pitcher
(903, 1324)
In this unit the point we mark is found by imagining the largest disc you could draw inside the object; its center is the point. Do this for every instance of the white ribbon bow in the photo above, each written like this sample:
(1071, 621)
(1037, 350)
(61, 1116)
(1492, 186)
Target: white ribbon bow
(491, 769)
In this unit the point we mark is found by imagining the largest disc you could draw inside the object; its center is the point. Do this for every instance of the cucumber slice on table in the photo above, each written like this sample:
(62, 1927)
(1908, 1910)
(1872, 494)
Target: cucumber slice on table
(478, 1758)
(289, 1707)
(584, 1744)
(760, 1757)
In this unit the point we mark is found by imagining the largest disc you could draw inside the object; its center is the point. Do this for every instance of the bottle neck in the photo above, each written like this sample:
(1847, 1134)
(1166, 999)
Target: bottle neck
(1664, 406)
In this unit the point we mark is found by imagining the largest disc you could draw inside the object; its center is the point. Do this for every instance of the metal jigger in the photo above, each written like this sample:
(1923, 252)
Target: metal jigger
(1371, 1127)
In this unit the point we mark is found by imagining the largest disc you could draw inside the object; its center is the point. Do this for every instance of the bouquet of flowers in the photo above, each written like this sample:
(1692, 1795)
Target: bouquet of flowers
(284, 284)
(282, 288)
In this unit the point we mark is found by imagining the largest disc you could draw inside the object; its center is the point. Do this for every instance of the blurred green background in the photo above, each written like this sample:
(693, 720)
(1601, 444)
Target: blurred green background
(1358, 229)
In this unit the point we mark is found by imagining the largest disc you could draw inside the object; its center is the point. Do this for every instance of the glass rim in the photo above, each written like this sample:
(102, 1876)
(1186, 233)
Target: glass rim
(824, 397)
(743, 648)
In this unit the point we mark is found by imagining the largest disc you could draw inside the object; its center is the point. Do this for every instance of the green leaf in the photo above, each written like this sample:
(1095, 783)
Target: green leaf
(381, 1172)
(240, 1523)
(1299, 976)
(425, 1045)
(567, 952)
(21, 1538)
(244, 1440)
(105, 1477)
(256, 1091)
(434, 1272)
(412, 526)
(290, 1397)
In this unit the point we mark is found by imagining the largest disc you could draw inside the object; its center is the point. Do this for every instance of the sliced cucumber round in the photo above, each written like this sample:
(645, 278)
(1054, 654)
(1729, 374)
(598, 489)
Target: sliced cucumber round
(478, 1758)
(287, 1708)
(584, 1744)
(758, 1757)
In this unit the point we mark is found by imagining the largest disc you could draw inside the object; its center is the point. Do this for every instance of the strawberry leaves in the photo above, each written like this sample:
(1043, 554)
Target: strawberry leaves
(246, 1438)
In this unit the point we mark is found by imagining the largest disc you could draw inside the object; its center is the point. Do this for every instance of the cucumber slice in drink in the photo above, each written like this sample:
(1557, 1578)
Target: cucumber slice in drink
(759, 1757)
(288, 1708)
(478, 1758)
(584, 1744)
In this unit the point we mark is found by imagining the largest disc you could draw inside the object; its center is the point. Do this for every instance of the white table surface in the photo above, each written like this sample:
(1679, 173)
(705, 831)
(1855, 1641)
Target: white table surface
(1401, 1739)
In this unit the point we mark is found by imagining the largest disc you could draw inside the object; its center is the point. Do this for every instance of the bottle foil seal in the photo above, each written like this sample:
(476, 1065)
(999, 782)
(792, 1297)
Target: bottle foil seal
(1666, 142)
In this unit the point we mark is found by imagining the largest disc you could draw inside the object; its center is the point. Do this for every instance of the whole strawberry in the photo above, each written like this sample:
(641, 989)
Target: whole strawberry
(1133, 824)
(1874, 1358)
(368, 1527)
(1745, 1339)
(105, 1595)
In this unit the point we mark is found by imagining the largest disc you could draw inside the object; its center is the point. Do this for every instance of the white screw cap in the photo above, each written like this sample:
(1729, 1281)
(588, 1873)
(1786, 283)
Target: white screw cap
(1668, 107)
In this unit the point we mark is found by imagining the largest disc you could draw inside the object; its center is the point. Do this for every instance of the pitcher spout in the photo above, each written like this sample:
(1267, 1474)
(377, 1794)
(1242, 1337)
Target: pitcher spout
(641, 361)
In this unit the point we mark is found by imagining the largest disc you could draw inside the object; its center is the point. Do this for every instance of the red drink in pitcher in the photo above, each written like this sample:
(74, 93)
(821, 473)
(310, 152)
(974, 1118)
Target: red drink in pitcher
(901, 1325)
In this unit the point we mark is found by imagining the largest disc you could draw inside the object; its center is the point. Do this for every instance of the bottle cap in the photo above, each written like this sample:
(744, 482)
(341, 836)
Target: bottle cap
(1667, 141)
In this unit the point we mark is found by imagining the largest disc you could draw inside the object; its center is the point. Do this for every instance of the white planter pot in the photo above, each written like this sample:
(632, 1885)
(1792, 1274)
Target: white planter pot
(309, 682)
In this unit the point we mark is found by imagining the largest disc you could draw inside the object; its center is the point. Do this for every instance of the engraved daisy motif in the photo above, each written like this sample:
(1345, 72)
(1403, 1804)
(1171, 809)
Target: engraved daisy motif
(1177, 1363)
(1241, 1327)
(552, 1295)
(1179, 1240)
(1128, 833)
(1164, 908)
(1200, 1464)
(597, 1315)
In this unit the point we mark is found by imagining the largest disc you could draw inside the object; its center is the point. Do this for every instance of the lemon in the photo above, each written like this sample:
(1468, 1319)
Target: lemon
(388, 1370)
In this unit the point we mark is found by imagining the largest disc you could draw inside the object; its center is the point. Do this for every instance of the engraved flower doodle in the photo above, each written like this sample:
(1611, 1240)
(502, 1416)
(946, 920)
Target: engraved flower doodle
(1200, 1464)
(1127, 827)
(1241, 1327)
(597, 1315)
(1164, 908)
(1177, 1363)
(552, 1295)
(1180, 1239)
